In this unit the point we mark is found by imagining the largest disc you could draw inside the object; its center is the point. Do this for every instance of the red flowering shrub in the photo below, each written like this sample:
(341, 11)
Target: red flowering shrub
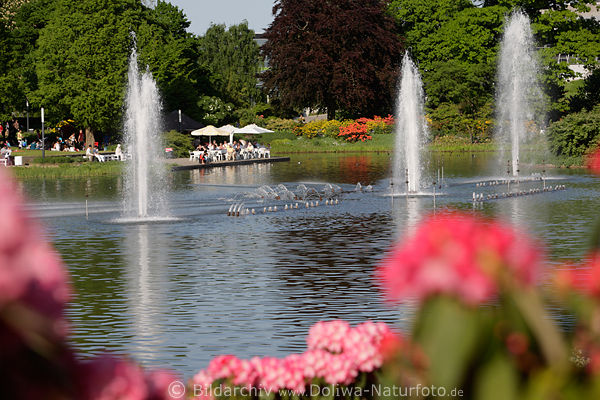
(363, 128)
(355, 132)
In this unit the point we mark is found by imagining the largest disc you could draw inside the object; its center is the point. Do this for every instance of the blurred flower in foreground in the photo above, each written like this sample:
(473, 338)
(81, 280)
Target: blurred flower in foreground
(593, 161)
(461, 255)
(32, 276)
(36, 361)
(583, 278)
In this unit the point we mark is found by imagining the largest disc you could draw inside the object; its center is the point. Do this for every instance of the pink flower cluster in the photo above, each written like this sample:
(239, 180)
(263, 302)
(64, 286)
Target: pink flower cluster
(461, 255)
(337, 353)
(31, 273)
(110, 378)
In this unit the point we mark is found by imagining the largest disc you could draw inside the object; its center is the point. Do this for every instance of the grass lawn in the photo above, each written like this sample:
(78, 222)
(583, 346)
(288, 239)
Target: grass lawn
(74, 170)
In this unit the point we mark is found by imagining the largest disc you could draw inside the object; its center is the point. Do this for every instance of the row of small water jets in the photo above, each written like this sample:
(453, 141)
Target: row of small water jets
(481, 197)
(301, 193)
(239, 209)
(499, 182)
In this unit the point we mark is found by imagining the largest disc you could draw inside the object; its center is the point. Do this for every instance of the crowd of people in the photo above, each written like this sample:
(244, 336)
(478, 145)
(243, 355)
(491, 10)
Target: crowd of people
(243, 149)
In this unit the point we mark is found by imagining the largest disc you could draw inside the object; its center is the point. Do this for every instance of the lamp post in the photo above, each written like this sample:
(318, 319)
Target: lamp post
(27, 103)
(179, 121)
(43, 136)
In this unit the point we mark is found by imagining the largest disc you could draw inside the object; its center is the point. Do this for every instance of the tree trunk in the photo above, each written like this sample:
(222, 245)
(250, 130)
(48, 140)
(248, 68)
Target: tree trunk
(331, 107)
(89, 137)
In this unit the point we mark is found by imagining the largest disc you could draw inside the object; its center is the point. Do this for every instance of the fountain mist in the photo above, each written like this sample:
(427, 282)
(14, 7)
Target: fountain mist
(145, 185)
(411, 129)
(519, 93)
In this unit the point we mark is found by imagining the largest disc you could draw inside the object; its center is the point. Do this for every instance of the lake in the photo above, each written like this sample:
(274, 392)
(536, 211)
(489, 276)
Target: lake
(177, 294)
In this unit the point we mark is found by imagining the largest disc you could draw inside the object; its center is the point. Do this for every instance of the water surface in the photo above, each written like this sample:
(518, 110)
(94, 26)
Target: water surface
(177, 294)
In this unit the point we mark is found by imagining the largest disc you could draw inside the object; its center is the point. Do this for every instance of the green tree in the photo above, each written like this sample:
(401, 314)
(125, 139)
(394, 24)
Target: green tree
(588, 96)
(232, 58)
(82, 59)
(333, 55)
(171, 52)
(18, 37)
(417, 19)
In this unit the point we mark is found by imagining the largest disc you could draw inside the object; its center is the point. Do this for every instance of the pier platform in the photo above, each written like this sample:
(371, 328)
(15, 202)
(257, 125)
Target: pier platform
(183, 164)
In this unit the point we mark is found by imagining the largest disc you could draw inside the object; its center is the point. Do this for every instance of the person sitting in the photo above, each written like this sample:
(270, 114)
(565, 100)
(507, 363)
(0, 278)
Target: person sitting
(5, 153)
(119, 152)
(97, 154)
(89, 154)
(56, 146)
(230, 153)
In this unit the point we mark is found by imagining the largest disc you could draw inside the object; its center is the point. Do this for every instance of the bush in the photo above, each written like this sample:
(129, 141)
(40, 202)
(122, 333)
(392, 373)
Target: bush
(181, 143)
(576, 133)
(380, 126)
(280, 124)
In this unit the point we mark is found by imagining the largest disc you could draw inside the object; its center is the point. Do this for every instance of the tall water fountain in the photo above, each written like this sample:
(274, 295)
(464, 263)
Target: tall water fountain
(519, 96)
(145, 183)
(411, 130)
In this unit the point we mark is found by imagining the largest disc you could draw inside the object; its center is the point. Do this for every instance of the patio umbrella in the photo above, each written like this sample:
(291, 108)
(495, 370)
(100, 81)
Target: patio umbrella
(252, 129)
(229, 129)
(209, 131)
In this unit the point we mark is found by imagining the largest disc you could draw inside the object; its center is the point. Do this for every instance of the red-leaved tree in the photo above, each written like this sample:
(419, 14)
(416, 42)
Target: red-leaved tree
(333, 55)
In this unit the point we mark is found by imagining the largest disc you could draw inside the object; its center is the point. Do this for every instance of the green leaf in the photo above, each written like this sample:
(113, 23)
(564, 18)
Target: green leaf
(451, 335)
(497, 380)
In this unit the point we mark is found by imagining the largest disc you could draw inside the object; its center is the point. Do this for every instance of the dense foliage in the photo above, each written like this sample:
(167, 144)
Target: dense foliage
(456, 43)
(70, 57)
(333, 55)
(574, 134)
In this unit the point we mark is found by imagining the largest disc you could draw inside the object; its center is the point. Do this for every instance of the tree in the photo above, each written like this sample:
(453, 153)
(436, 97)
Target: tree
(171, 53)
(19, 30)
(333, 55)
(418, 19)
(232, 58)
(82, 59)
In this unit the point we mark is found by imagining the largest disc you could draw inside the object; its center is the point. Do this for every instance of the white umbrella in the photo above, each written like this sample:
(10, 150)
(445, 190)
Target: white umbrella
(228, 128)
(209, 131)
(252, 129)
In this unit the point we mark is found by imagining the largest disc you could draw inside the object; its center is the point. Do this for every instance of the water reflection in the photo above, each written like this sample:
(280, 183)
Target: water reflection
(144, 286)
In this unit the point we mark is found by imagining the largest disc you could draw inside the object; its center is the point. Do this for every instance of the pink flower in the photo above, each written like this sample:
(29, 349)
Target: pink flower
(109, 378)
(593, 162)
(315, 363)
(271, 373)
(222, 366)
(201, 386)
(31, 273)
(159, 385)
(328, 335)
(244, 373)
(294, 373)
(362, 345)
(461, 255)
(341, 370)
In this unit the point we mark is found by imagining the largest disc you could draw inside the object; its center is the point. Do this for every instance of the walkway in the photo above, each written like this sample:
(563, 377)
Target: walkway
(186, 164)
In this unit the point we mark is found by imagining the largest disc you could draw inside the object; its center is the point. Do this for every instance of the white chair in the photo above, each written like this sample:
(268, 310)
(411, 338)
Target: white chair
(3, 161)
